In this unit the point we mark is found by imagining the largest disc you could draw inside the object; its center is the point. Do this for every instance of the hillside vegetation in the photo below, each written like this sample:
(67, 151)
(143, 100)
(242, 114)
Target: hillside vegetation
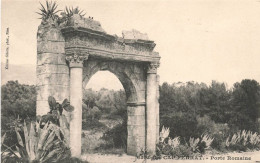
(189, 112)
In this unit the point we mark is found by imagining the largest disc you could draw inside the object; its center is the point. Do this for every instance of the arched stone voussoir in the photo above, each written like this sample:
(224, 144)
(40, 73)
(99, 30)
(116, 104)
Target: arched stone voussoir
(133, 84)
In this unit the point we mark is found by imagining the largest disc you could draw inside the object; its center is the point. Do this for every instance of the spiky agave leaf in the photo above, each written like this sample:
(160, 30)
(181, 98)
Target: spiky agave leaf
(40, 144)
(49, 11)
(22, 151)
(43, 136)
(19, 138)
(3, 139)
(71, 11)
(67, 12)
(49, 140)
(32, 140)
(42, 153)
(51, 154)
(26, 139)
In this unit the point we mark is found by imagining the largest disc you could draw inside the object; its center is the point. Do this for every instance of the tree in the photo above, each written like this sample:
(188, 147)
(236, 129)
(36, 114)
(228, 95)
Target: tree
(246, 104)
(215, 102)
(18, 100)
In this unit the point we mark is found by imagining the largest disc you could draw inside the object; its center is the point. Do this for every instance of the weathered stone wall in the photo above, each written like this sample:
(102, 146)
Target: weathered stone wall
(52, 70)
(136, 129)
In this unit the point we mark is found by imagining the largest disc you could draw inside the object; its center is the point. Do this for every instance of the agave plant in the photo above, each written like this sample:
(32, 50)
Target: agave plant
(71, 11)
(194, 143)
(164, 134)
(235, 139)
(254, 139)
(50, 11)
(38, 145)
(175, 142)
(207, 139)
(245, 138)
(227, 142)
(244, 135)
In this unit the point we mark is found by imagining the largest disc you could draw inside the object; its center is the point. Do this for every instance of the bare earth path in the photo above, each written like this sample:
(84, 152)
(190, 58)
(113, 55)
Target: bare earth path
(98, 158)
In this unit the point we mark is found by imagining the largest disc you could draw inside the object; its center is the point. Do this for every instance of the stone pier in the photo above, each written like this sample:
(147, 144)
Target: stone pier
(52, 71)
(151, 107)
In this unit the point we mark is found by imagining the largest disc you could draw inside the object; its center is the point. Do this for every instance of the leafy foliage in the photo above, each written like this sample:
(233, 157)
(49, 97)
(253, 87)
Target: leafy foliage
(50, 11)
(107, 101)
(56, 110)
(174, 147)
(71, 11)
(246, 103)
(18, 103)
(210, 113)
(182, 107)
(56, 117)
(93, 125)
(117, 136)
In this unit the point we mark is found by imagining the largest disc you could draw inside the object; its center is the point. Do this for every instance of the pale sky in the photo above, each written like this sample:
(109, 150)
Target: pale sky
(198, 40)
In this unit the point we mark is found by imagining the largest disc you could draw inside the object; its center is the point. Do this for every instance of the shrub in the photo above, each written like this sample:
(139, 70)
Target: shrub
(184, 125)
(117, 135)
(205, 124)
(169, 146)
(178, 151)
(182, 151)
(56, 110)
(93, 125)
(18, 101)
(55, 116)
(93, 113)
(220, 133)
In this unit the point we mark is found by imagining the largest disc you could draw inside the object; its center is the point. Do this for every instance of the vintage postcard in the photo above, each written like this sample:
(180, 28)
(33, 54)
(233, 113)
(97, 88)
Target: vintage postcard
(130, 81)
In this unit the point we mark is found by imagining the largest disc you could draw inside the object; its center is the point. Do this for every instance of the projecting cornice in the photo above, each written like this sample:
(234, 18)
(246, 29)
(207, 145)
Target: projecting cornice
(86, 35)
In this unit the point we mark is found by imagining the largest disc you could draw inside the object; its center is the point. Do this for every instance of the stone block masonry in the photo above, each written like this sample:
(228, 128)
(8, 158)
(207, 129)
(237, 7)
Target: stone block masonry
(69, 53)
(52, 70)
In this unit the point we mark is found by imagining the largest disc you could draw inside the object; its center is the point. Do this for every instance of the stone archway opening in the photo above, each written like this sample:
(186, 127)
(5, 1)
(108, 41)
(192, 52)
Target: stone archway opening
(104, 79)
(132, 78)
(104, 115)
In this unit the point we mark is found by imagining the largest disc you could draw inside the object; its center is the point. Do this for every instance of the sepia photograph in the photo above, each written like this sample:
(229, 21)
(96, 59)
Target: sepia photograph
(127, 81)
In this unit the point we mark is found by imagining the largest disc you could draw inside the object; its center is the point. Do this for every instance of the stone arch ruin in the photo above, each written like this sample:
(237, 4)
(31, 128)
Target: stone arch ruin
(70, 53)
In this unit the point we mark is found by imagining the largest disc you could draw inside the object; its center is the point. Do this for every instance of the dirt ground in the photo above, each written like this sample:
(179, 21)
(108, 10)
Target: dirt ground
(228, 158)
